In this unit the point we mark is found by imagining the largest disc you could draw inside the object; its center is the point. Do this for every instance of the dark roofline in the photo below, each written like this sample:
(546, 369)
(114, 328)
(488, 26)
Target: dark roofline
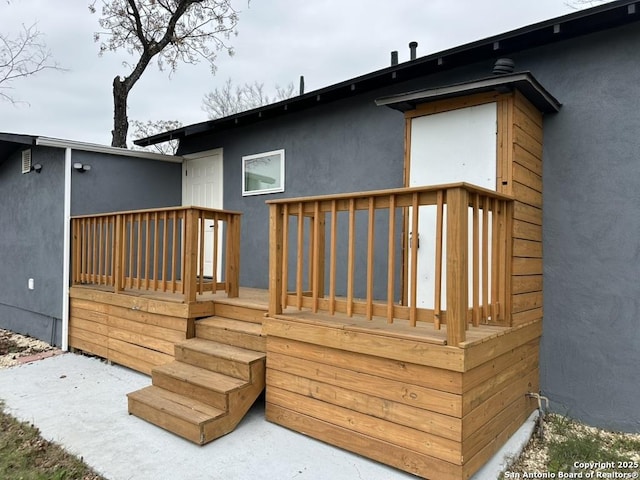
(525, 82)
(573, 25)
(10, 142)
(18, 138)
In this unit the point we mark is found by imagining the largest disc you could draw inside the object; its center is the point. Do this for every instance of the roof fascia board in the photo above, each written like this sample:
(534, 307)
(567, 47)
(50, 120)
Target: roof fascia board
(92, 147)
(18, 138)
(524, 81)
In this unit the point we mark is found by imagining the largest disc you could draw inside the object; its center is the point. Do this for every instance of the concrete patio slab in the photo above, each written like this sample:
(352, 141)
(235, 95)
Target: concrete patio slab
(80, 403)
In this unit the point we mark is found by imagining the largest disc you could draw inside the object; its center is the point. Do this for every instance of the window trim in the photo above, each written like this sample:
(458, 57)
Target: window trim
(264, 191)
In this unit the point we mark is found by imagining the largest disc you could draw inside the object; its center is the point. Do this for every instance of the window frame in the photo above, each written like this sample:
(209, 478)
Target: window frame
(263, 191)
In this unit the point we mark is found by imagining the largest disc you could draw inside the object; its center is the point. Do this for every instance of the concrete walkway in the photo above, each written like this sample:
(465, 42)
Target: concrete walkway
(81, 403)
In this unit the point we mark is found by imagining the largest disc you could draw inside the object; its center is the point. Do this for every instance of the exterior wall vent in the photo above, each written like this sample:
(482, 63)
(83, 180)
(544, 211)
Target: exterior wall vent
(26, 161)
(503, 66)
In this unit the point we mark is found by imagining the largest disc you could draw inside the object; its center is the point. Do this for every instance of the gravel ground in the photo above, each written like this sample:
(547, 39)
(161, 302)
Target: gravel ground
(15, 347)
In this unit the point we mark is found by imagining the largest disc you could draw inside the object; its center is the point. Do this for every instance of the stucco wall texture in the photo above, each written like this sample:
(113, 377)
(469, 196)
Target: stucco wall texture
(31, 242)
(591, 341)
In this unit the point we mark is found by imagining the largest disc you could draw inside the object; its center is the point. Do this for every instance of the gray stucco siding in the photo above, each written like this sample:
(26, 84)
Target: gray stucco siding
(32, 207)
(31, 244)
(123, 183)
(590, 352)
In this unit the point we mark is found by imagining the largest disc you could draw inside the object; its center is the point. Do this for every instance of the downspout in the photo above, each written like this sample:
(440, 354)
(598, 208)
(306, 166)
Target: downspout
(66, 249)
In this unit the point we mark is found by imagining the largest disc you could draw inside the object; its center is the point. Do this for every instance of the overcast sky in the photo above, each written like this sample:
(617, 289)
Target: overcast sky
(327, 41)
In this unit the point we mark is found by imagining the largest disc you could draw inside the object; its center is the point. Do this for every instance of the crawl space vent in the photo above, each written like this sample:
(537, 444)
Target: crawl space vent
(26, 161)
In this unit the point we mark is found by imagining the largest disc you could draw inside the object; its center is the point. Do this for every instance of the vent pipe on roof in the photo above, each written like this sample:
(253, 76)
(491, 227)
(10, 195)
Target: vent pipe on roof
(412, 48)
(301, 84)
(394, 58)
(503, 66)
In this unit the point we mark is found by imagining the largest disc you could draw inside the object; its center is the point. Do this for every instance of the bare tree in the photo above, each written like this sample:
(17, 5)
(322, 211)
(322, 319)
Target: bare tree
(171, 31)
(151, 127)
(21, 56)
(230, 99)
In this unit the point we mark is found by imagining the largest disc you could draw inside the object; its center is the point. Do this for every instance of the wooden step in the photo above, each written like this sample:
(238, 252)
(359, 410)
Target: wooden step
(208, 387)
(232, 332)
(176, 413)
(240, 309)
(219, 357)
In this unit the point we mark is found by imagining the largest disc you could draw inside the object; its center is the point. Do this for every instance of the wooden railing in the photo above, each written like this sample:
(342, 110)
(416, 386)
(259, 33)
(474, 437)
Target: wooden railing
(177, 250)
(362, 248)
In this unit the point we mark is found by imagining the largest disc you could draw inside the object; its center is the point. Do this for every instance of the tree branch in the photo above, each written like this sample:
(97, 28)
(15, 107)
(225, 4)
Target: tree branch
(21, 57)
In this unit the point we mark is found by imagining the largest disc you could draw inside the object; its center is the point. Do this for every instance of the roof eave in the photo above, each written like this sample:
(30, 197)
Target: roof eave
(522, 81)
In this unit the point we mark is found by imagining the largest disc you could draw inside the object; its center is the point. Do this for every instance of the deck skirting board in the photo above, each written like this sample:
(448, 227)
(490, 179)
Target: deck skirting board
(432, 421)
(385, 452)
(133, 331)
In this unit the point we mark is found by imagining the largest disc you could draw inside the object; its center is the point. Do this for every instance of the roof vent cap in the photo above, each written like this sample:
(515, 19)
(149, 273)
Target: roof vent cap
(413, 48)
(503, 66)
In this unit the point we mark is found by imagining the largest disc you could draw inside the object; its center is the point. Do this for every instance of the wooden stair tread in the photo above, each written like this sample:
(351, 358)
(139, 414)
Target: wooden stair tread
(213, 381)
(231, 324)
(222, 350)
(176, 405)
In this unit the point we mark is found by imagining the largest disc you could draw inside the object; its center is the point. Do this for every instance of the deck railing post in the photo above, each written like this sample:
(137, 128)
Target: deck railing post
(457, 264)
(118, 257)
(232, 273)
(191, 255)
(275, 258)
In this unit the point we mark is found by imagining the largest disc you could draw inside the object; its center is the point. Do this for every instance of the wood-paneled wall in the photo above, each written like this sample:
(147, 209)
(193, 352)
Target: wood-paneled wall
(526, 187)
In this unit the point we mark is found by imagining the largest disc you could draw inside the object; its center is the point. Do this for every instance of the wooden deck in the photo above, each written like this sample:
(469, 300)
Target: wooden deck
(395, 393)
(354, 356)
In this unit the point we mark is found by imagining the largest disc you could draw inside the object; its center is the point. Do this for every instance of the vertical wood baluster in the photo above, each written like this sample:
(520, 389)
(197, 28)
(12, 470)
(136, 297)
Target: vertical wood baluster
(391, 260)
(413, 303)
(437, 304)
(333, 258)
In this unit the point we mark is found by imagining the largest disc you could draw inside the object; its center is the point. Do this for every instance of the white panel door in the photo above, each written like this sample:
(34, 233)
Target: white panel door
(449, 147)
(202, 187)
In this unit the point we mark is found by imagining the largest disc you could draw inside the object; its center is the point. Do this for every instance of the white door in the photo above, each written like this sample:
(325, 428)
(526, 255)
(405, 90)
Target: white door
(449, 147)
(202, 187)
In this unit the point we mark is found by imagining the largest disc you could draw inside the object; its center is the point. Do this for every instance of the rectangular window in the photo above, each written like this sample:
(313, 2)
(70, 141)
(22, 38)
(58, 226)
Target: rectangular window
(263, 173)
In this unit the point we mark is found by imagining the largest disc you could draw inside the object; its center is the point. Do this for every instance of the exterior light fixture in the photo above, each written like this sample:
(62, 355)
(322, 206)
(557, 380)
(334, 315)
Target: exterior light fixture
(36, 168)
(79, 167)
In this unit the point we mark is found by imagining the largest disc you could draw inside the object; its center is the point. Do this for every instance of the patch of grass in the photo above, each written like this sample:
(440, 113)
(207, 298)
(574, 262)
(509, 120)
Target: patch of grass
(565, 452)
(627, 444)
(25, 455)
(567, 444)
